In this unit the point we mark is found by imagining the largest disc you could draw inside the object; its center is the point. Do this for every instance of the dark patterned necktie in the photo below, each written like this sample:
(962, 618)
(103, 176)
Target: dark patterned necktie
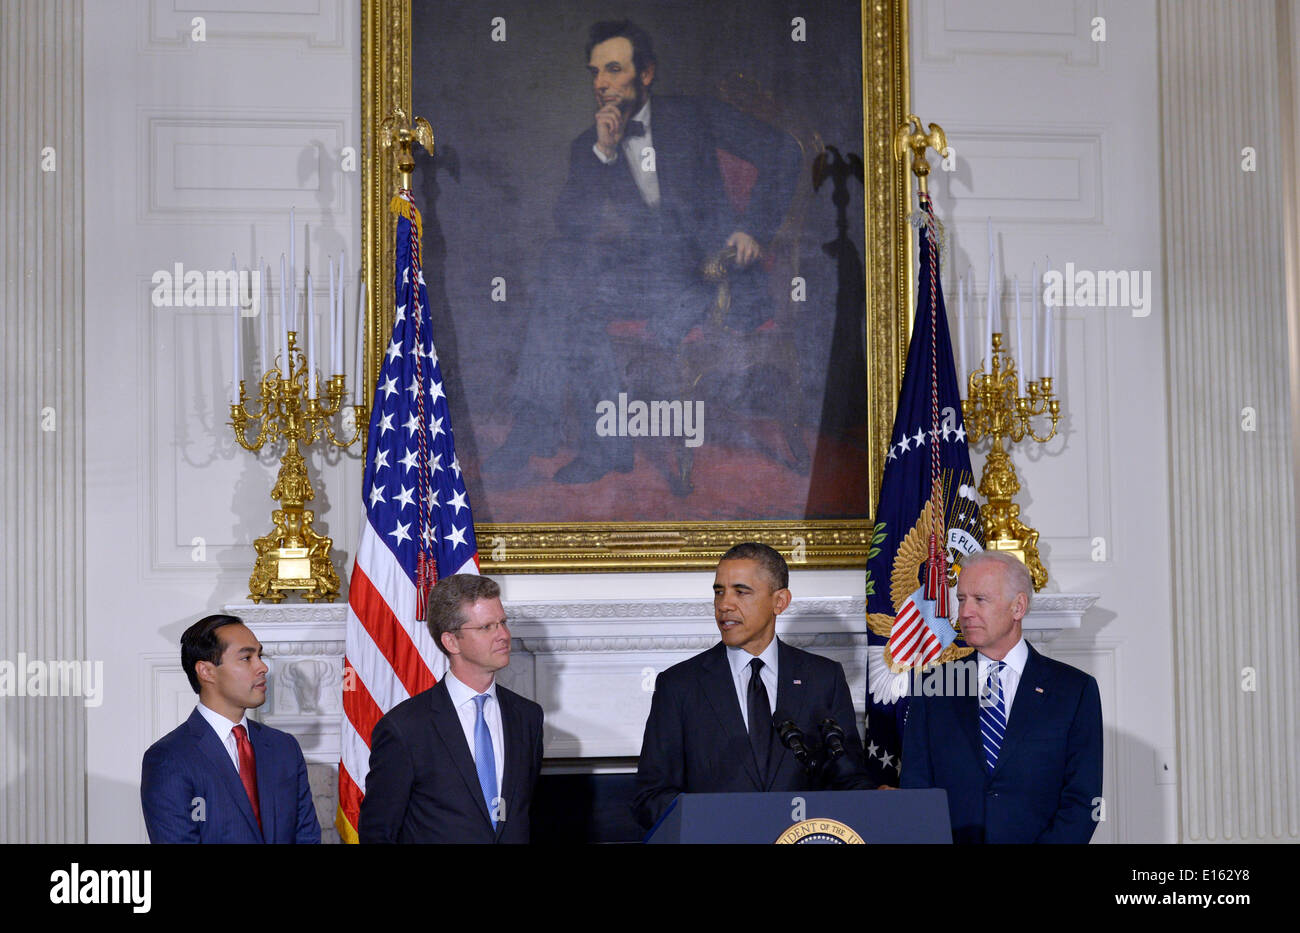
(760, 715)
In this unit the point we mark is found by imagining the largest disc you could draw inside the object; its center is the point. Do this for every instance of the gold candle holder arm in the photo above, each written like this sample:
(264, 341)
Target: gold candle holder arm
(995, 409)
(241, 417)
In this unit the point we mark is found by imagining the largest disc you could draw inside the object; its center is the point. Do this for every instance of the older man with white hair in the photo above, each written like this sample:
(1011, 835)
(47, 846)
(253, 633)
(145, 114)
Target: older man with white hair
(1020, 757)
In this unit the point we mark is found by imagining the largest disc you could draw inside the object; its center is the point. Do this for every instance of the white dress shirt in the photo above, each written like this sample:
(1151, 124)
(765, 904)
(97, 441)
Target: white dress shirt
(1015, 666)
(225, 730)
(739, 660)
(462, 697)
(634, 149)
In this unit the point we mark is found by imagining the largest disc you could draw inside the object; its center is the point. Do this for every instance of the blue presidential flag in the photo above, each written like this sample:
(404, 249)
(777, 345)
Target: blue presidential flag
(927, 516)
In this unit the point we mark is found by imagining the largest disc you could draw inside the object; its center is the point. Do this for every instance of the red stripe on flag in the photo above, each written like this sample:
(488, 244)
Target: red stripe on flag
(358, 705)
(349, 814)
(388, 634)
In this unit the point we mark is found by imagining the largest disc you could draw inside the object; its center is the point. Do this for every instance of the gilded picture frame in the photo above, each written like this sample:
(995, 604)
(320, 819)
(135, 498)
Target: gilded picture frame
(585, 546)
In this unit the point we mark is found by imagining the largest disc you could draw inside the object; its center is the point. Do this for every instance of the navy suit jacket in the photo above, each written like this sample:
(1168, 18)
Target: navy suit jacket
(423, 786)
(190, 789)
(696, 742)
(1048, 773)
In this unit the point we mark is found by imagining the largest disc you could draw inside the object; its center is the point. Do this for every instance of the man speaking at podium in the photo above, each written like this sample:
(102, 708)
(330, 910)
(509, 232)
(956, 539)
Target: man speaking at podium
(714, 719)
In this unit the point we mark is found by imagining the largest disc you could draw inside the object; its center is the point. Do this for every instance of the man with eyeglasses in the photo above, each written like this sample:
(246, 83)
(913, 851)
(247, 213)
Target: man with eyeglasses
(458, 762)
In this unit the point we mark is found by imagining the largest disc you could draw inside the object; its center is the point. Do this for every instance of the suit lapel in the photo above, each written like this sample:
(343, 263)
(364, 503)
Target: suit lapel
(1023, 711)
(720, 691)
(267, 784)
(668, 147)
(968, 712)
(791, 701)
(512, 738)
(447, 724)
(205, 738)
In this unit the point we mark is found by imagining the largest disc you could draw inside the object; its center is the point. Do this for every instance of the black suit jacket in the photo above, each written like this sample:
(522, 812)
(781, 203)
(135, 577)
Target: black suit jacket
(645, 262)
(1047, 779)
(423, 786)
(695, 738)
(688, 134)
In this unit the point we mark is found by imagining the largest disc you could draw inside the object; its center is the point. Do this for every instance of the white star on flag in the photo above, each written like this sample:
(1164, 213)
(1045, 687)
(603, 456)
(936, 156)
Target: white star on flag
(458, 502)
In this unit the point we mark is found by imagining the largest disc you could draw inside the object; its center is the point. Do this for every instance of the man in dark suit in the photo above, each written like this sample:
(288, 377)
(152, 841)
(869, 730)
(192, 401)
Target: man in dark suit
(711, 720)
(458, 762)
(1017, 745)
(219, 776)
(643, 208)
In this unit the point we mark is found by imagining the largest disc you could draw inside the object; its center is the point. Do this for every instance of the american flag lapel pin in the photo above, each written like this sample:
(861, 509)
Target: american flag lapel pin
(798, 683)
(1038, 690)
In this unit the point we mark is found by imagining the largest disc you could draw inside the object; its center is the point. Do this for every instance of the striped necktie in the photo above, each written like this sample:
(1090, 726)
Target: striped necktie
(993, 715)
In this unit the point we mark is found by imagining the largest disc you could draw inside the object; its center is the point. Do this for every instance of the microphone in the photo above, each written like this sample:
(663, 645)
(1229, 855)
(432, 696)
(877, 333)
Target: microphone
(792, 737)
(832, 739)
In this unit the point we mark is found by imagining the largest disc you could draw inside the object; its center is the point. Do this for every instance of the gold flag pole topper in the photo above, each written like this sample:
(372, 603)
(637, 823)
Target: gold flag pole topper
(912, 137)
(294, 557)
(394, 133)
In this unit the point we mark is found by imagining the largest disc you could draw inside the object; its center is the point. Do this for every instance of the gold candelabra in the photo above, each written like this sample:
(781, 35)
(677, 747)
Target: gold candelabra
(994, 408)
(293, 556)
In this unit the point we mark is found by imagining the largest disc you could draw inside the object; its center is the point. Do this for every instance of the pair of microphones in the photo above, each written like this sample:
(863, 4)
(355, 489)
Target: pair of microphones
(811, 756)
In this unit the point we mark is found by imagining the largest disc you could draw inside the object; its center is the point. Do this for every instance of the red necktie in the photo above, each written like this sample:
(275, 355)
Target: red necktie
(248, 770)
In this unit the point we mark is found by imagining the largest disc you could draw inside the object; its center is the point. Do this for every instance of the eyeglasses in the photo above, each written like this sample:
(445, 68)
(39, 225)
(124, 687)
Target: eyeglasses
(488, 629)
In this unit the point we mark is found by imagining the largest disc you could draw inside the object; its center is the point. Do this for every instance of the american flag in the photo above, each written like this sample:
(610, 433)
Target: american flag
(418, 526)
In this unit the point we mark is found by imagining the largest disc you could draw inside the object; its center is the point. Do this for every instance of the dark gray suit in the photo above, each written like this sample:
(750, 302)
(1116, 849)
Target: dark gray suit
(696, 742)
(423, 786)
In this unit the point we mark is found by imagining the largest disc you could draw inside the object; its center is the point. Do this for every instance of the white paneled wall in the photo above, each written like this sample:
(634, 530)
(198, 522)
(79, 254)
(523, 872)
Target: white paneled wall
(1053, 139)
(202, 141)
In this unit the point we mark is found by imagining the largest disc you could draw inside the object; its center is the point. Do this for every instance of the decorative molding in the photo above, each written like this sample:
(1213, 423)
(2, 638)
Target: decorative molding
(1043, 173)
(950, 30)
(304, 648)
(172, 189)
(694, 643)
(316, 25)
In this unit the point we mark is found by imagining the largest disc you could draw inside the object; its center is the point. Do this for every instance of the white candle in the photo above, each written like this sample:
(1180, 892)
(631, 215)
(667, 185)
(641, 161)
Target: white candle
(263, 270)
(293, 276)
(284, 322)
(336, 327)
(988, 336)
(961, 337)
(1020, 344)
(309, 329)
(970, 295)
(1047, 331)
(333, 300)
(359, 386)
(234, 335)
(1032, 362)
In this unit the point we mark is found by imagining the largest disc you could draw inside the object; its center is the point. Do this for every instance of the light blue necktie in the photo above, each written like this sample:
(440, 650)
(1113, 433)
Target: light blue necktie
(485, 760)
(993, 715)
